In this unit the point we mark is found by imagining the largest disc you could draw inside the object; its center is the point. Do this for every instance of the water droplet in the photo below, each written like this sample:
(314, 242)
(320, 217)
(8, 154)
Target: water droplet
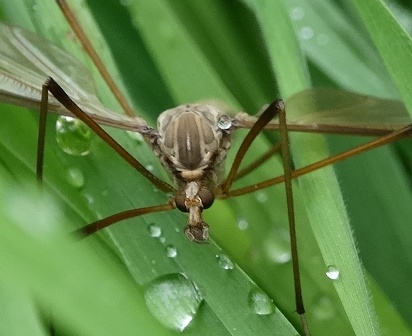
(154, 230)
(224, 122)
(89, 198)
(306, 33)
(323, 308)
(125, 2)
(173, 300)
(135, 136)
(75, 177)
(73, 136)
(162, 240)
(261, 196)
(279, 254)
(171, 251)
(332, 272)
(224, 262)
(242, 224)
(260, 302)
(297, 13)
(277, 246)
(149, 167)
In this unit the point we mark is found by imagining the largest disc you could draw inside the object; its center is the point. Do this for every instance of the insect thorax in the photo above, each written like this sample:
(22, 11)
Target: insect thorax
(192, 143)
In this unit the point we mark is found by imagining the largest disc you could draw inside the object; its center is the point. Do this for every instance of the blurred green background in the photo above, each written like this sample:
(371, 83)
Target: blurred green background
(166, 53)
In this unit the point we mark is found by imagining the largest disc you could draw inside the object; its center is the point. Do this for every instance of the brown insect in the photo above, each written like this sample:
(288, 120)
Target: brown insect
(191, 140)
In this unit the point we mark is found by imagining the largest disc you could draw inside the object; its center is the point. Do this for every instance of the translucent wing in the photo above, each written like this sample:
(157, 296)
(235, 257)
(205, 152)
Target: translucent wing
(26, 61)
(327, 110)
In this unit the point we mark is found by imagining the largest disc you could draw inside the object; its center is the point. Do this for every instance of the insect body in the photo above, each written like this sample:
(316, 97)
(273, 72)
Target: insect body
(192, 147)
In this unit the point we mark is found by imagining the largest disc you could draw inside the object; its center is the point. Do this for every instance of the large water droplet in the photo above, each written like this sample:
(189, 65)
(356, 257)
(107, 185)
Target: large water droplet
(154, 230)
(171, 251)
(260, 302)
(173, 300)
(73, 136)
(224, 262)
(75, 177)
(332, 272)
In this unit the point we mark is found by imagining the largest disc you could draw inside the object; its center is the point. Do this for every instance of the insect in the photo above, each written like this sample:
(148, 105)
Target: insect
(203, 230)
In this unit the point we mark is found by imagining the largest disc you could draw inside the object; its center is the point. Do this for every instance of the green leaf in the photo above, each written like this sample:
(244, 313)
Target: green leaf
(167, 53)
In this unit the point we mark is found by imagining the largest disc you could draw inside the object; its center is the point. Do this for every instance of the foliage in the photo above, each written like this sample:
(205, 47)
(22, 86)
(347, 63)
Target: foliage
(166, 53)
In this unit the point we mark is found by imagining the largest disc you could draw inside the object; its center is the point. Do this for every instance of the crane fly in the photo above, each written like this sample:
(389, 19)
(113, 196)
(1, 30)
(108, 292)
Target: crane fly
(27, 61)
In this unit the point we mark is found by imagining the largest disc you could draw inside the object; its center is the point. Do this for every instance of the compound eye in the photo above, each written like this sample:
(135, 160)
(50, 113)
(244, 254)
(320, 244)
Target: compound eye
(180, 203)
(207, 197)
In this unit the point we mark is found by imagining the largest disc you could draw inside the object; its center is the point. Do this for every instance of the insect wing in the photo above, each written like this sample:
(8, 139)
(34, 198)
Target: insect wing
(327, 110)
(27, 60)
(334, 107)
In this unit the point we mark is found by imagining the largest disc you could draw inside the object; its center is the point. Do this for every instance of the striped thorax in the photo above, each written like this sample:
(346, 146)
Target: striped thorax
(191, 142)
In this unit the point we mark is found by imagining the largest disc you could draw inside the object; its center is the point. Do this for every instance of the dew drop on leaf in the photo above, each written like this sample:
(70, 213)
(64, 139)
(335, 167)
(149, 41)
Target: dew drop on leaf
(242, 224)
(261, 196)
(260, 302)
(154, 230)
(224, 262)
(89, 198)
(73, 136)
(297, 13)
(224, 122)
(306, 33)
(75, 177)
(332, 272)
(135, 136)
(171, 251)
(173, 300)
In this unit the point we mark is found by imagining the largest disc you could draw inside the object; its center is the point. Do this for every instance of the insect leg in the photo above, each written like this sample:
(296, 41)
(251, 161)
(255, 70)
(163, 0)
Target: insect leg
(257, 163)
(65, 100)
(266, 117)
(105, 222)
(287, 170)
(386, 139)
(41, 138)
